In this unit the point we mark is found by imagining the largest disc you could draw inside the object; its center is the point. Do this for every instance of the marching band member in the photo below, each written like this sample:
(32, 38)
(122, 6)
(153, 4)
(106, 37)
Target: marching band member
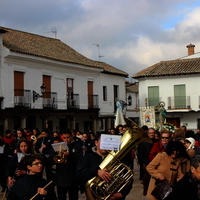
(13, 169)
(88, 167)
(43, 144)
(65, 177)
(32, 184)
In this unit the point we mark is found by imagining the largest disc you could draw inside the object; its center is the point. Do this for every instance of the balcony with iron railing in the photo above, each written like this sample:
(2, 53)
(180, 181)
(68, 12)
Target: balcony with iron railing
(152, 101)
(179, 102)
(22, 98)
(93, 101)
(73, 101)
(50, 100)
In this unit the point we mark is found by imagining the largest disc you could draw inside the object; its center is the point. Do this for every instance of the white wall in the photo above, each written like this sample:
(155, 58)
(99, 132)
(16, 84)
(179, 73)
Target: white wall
(107, 107)
(59, 73)
(166, 89)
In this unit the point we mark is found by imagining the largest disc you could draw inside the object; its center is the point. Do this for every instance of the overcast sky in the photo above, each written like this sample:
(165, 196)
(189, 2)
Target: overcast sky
(131, 34)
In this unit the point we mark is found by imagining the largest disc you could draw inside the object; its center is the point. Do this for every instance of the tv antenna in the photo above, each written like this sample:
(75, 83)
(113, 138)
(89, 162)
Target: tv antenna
(53, 31)
(99, 55)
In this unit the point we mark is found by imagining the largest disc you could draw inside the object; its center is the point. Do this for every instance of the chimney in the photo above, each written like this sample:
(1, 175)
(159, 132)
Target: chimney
(190, 49)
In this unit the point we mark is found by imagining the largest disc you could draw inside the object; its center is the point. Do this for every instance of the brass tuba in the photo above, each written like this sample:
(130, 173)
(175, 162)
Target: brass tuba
(98, 189)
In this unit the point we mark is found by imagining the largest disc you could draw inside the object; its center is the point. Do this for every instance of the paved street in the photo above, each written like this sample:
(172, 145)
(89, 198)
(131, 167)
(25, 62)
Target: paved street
(135, 194)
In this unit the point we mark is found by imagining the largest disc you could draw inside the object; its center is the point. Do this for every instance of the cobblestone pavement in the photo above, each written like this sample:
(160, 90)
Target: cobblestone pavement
(135, 194)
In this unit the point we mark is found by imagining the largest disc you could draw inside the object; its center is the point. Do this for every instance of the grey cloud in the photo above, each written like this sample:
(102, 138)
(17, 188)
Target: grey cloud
(117, 26)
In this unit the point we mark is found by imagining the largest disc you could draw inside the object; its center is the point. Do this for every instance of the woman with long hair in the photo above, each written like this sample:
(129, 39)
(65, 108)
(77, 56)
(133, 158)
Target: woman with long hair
(14, 169)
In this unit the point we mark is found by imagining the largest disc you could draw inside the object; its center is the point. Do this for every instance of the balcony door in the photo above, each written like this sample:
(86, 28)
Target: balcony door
(179, 96)
(115, 89)
(47, 83)
(90, 94)
(70, 88)
(19, 83)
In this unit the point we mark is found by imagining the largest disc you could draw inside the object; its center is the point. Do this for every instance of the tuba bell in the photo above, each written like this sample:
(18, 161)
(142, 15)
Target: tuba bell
(33, 137)
(122, 176)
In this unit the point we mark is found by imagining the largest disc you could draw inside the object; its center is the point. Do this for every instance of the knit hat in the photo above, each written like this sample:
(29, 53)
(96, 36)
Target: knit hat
(191, 141)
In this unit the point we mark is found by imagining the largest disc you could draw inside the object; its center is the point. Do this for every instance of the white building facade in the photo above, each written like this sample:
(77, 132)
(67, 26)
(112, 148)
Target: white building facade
(73, 86)
(176, 83)
(132, 99)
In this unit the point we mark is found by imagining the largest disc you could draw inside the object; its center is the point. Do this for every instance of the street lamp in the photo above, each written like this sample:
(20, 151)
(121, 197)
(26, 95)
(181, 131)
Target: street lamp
(36, 96)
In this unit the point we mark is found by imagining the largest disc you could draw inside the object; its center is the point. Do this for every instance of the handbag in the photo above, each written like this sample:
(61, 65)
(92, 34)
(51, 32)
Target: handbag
(162, 190)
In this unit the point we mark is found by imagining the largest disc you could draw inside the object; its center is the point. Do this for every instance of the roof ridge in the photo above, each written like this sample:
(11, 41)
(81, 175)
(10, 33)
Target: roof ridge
(51, 48)
(7, 29)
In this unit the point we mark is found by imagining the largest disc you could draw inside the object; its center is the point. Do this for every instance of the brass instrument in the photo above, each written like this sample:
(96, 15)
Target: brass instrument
(60, 157)
(33, 137)
(98, 189)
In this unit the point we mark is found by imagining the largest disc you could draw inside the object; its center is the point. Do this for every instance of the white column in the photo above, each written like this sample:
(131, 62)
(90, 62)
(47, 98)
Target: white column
(5, 124)
(23, 122)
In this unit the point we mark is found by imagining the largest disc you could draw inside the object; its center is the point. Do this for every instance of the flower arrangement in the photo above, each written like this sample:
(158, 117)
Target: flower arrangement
(167, 126)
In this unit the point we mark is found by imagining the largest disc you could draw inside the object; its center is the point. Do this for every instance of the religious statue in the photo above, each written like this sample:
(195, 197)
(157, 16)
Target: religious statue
(162, 113)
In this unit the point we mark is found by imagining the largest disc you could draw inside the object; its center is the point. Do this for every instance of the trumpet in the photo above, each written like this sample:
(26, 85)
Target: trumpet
(60, 157)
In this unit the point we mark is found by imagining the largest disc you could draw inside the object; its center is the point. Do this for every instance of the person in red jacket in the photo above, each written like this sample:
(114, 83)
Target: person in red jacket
(9, 139)
(161, 145)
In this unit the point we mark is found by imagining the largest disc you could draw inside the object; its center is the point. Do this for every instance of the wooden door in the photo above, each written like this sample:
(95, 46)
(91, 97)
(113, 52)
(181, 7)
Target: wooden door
(47, 83)
(174, 121)
(19, 83)
(90, 94)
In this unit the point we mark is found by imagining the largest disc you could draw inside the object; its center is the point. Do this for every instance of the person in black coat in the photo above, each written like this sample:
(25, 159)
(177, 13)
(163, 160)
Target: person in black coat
(65, 174)
(5, 151)
(20, 134)
(86, 144)
(187, 187)
(43, 144)
(13, 168)
(88, 168)
(144, 149)
(32, 183)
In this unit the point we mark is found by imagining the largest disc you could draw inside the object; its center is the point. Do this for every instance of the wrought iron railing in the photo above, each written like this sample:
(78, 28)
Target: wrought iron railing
(50, 100)
(179, 102)
(22, 98)
(93, 101)
(73, 101)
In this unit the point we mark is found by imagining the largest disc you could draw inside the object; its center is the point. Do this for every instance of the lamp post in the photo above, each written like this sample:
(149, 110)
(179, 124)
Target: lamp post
(36, 96)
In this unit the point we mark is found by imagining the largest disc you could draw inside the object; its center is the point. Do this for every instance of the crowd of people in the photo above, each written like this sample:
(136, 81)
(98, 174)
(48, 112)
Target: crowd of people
(169, 157)
(25, 152)
(28, 156)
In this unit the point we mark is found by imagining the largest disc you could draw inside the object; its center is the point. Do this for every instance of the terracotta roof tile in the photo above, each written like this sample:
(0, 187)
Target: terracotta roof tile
(36, 45)
(171, 68)
(132, 87)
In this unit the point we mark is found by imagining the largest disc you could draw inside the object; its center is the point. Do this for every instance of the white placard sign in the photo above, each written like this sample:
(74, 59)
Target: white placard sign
(110, 142)
(2, 149)
(60, 146)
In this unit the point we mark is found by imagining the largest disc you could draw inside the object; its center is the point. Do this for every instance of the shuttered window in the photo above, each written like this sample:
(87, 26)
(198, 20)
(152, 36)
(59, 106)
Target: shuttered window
(153, 96)
(179, 96)
(105, 97)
